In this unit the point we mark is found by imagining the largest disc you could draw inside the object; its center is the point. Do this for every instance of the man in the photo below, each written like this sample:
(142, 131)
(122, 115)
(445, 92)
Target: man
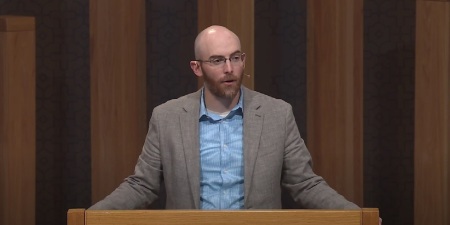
(224, 146)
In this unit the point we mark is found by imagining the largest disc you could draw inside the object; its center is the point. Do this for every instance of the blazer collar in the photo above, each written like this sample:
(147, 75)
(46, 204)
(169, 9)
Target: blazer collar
(191, 145)
(253, 123)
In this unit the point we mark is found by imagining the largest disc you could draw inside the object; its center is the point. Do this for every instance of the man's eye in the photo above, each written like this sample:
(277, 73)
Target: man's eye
(236, 58)
(216, 60)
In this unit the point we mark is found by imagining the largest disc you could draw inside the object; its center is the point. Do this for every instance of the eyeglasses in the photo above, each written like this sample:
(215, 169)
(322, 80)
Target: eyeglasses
(220, 60)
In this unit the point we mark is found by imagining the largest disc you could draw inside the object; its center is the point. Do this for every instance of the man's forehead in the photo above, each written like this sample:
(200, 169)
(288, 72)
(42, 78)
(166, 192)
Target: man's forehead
(217, 41)
(226, 50)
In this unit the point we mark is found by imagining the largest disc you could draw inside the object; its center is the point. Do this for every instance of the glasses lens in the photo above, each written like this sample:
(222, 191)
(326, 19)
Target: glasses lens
(235, 58)
(217, 61)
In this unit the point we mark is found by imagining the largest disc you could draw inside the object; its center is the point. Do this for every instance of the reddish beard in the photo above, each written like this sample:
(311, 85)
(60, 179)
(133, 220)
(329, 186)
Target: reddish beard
(219, 89)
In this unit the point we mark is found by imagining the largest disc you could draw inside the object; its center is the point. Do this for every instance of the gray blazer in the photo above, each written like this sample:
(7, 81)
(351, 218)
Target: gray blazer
(275, 157)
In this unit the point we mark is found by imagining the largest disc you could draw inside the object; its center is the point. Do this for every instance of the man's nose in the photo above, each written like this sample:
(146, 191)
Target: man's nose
(228, 68)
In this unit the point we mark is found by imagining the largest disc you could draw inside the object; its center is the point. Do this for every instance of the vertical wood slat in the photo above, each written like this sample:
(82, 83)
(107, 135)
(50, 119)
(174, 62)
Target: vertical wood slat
(238, 16)
(118, 94)
(432, 114)
(17, 120)
(334, 93)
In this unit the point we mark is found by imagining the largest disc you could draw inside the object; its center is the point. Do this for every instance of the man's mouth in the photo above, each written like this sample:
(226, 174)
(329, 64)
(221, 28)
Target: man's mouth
(228, 80)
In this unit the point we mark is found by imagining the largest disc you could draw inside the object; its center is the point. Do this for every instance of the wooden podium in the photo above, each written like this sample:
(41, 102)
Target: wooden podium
(365, 216)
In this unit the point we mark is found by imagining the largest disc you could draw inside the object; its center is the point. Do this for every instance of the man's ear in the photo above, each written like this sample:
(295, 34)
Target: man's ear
(195, 66)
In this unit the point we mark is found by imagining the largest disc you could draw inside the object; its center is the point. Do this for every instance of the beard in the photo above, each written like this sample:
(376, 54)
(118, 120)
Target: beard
(221, 90)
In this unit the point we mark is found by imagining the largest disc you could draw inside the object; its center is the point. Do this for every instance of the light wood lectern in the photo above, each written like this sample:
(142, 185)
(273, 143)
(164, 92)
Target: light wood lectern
(365, 216)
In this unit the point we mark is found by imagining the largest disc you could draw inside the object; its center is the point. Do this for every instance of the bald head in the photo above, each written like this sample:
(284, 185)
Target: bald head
(213, 38)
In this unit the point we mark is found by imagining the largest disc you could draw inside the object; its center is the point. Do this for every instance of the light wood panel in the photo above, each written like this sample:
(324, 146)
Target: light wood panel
(118, 94)
(249, 217)
(17, 120)
(334, 93)
(238, 16)
(432, 114)
(76, 217)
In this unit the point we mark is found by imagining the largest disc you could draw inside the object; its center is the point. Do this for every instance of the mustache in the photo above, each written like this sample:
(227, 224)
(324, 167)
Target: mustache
(233, 77)
(229, 77)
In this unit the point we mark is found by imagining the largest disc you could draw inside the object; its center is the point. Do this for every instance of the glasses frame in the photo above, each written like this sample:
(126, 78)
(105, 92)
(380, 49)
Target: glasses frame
(223, 60)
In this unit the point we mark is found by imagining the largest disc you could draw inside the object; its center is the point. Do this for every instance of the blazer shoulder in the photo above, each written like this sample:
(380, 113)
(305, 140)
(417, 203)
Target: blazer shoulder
(267, 102)
(181, 104)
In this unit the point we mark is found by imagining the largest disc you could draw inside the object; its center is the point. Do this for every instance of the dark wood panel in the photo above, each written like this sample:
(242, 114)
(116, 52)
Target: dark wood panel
(17, 120)
(334, 93)
(432, 114)
(433, 0)
(118, 105)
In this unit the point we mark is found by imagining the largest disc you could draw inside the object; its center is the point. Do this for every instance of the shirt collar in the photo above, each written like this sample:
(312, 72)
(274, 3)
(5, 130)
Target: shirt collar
(204, 112)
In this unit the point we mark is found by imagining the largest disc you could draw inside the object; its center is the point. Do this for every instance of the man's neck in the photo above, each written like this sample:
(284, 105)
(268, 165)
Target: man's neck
(220, 104)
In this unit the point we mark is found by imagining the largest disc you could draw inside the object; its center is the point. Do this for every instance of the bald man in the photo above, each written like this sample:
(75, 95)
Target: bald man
(224, 146)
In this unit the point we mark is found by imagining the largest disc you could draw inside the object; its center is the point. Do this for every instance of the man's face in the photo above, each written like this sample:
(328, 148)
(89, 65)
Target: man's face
(220, 62)
(224, 80)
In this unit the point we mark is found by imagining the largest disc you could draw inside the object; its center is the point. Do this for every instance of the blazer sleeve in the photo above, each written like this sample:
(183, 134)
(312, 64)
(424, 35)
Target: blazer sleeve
(139, 190)
(307, 189)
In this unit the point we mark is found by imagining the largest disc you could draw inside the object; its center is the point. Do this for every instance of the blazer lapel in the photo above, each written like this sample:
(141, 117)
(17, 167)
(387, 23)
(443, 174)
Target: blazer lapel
(253, 121)
(190, 136)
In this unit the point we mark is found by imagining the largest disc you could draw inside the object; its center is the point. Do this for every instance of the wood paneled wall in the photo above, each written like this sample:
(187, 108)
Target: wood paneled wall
(238, 16)
(334, 93)
(118, 91)
(432, 114)
(17, 120)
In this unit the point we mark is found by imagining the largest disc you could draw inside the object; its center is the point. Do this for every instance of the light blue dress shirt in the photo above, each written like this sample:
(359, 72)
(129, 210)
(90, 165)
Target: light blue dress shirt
(221, 158)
